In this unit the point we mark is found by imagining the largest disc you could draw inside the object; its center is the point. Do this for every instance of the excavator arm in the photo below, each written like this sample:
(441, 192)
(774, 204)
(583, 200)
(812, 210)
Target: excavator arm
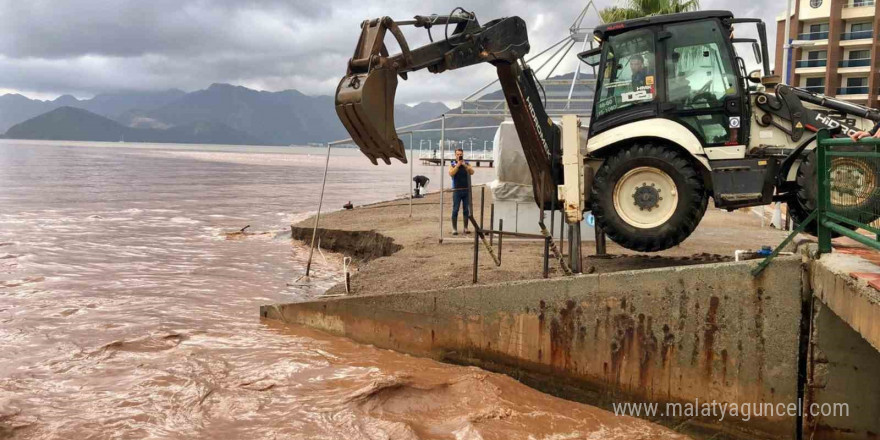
(365, 96)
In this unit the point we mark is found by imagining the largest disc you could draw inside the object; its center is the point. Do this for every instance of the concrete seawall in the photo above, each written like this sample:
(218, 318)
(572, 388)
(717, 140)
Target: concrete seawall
(708, 332)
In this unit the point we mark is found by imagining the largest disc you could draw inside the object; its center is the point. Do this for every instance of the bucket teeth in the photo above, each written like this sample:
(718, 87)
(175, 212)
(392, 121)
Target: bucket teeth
(365, 105)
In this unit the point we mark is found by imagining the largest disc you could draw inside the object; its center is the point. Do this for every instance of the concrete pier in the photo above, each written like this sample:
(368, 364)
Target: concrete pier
(708, 332)
(673, 335)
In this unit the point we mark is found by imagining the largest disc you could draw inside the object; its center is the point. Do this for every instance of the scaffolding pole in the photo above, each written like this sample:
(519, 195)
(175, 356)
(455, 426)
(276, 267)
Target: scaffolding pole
(318, 215)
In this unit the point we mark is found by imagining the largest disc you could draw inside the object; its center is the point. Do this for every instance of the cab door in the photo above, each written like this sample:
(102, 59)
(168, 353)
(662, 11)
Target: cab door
(702, 91)
(626, 90)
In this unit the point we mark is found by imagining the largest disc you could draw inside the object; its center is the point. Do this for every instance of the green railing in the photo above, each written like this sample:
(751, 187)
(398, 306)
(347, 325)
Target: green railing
(847, 194)
(848, 189)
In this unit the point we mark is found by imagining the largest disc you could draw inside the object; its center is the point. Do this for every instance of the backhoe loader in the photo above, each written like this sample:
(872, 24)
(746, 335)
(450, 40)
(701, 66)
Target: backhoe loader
(676, 119)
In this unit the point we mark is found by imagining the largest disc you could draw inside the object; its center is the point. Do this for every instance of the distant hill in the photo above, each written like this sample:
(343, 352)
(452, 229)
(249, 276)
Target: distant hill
(286, 117)
(276, 118)
(15, 108)
(75, 124)
(246, 115)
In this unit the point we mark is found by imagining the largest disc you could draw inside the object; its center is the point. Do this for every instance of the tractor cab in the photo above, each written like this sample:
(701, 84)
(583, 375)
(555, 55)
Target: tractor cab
(681, 67)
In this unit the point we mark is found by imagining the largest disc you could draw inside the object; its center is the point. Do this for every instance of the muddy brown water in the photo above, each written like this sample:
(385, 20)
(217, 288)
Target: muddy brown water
(126, 313)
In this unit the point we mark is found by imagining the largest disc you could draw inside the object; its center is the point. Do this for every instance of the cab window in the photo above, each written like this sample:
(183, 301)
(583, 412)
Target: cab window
(627, 72)
(699, 72)
(699, 77)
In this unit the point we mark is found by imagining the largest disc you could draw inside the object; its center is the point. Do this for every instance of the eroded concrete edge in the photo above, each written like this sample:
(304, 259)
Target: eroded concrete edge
(853, 300)
(709, 332)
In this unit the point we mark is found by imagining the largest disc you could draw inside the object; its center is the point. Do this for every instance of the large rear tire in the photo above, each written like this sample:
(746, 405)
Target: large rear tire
(648, 197)
(858, 207)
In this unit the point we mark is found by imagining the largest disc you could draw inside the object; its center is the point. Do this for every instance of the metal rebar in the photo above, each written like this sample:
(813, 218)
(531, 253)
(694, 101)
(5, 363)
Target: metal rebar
(500, 237)
(318, 215)
(482, 204)
(580, 254)
(492, 223)
(479, 233)
(562, 229)
(476, 252)
(442, 152)
(547, 256)
(410, 173)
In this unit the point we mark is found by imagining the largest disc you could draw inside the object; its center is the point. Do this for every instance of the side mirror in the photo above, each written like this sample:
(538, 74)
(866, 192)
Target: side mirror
(591, 57)
(755, 76)
(757, 50)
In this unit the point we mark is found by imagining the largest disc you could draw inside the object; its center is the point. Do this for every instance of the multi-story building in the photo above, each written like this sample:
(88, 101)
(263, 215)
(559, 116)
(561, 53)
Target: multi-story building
(835, 49)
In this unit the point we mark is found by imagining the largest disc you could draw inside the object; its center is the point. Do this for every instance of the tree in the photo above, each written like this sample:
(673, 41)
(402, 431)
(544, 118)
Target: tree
(644, 8)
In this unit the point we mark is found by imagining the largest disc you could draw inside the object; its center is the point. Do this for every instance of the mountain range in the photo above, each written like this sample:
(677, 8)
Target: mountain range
(222, 113)
(76, 124)
(230, 114)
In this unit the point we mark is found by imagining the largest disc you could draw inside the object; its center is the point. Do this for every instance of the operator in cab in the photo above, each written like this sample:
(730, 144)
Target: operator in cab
(639, 73)
(460, 171)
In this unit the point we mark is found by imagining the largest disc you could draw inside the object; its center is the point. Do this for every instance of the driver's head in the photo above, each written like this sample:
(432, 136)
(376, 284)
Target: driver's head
(637, 63)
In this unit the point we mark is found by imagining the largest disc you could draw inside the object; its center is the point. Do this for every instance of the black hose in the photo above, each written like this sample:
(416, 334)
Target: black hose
(446, 27)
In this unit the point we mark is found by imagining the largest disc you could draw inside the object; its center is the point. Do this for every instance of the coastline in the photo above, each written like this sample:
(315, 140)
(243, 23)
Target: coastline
(394, 253)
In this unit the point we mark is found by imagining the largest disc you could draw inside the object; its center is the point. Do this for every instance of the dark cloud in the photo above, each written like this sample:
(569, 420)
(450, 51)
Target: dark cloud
(86, 47)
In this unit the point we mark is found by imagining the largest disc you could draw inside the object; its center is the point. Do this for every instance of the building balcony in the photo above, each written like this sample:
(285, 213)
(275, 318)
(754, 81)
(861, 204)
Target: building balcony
(860, 35)
(861, 62)
(857, 9)
(858, 3)
(811, 63)
(852, 91)
(813, 36)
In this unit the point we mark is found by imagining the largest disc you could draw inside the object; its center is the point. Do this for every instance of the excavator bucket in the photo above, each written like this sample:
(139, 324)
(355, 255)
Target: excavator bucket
(365, 96)
(365, 105)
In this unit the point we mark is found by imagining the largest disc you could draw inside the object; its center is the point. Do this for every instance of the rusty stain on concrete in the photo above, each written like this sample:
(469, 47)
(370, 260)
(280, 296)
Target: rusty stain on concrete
(648, 343)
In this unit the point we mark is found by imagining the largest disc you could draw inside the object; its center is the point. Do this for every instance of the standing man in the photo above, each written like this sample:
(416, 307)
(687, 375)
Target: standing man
(460, 172)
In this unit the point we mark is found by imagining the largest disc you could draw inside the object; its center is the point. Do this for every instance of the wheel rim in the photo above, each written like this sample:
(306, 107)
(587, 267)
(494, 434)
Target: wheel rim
(852, 182)
(645, 197)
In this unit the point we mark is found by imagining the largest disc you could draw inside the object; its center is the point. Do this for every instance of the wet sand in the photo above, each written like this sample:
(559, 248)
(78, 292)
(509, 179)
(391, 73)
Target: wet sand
(422, 263)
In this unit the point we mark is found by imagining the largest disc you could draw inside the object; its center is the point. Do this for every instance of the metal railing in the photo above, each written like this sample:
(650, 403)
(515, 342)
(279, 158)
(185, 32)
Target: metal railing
(858, 3)
(811, 63)
(861, 62)
(852, 91)
(847, 194)
(812, 36)
(860, 35)
(848, 189)
(477, 155)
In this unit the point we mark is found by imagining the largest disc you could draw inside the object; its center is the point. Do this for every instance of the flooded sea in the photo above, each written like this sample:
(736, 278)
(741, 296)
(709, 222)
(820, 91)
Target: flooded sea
(126, 313)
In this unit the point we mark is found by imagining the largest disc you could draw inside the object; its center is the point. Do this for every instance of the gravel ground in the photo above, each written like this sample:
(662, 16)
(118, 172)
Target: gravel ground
(424, 264)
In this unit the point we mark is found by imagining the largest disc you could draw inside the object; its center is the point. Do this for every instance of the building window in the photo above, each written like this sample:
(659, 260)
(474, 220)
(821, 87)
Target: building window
(854, 86)
(818, 31)
(859, 55)
(858, 31)
(816, 82)
(817, 55)
(861, 27)
(856, 82)
(820, 27)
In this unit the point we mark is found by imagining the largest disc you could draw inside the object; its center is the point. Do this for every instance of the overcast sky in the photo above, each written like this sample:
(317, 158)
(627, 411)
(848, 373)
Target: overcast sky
(85, 47)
